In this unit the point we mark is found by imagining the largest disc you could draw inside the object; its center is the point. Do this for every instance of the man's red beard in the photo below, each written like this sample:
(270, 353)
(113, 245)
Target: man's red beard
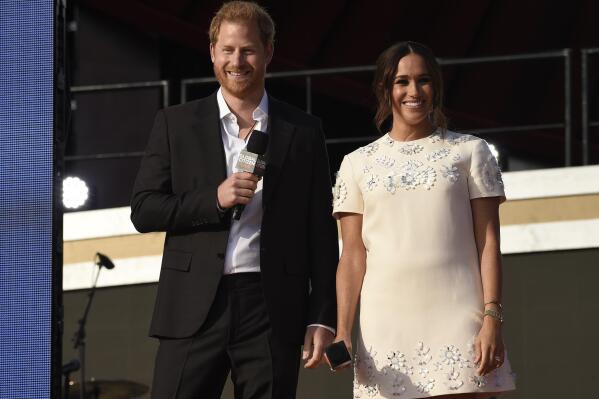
(238, 88)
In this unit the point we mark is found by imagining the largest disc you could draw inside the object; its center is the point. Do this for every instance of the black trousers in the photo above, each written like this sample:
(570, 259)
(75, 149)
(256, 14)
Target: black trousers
(236, 337)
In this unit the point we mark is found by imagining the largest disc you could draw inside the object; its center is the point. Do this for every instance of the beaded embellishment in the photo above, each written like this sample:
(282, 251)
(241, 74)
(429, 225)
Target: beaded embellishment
(369, 149)
(372, 182)
(401, 372)
(456, 138)
(411, 149)
(438, 154)
(491, 174)
(451, 173)
(339, 191)
(414, 174)
(385, 161)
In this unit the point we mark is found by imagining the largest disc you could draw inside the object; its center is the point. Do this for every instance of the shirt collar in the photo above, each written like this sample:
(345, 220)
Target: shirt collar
(223, 109)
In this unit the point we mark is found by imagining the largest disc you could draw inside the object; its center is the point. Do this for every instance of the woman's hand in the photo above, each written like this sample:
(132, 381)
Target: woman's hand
(350, 275)
(488, 346)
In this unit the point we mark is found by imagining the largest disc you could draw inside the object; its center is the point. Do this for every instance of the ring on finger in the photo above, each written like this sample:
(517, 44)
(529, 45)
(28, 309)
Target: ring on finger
(498, 361)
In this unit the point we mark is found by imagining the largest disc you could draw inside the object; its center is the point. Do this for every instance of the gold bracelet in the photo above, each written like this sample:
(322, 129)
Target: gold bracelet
(499, 305)
(494, 314)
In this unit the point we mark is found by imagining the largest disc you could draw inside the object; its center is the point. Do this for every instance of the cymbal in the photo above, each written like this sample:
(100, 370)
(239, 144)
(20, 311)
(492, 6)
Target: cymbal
(104, 389)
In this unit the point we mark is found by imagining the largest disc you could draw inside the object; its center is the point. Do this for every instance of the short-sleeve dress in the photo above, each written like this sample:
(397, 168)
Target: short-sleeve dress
(421, 304)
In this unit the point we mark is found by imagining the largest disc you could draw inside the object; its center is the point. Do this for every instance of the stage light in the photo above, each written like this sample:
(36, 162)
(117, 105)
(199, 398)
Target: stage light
(75, 192)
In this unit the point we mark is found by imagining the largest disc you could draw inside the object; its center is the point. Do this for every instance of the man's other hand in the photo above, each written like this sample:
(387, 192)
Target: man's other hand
(316, 340)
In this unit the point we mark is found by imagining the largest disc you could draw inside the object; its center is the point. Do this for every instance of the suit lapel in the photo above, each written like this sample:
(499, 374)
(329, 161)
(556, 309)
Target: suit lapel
(280, 136)
(206, 128)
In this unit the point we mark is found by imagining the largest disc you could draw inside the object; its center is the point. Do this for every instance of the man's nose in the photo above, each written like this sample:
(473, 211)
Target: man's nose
(238, 58)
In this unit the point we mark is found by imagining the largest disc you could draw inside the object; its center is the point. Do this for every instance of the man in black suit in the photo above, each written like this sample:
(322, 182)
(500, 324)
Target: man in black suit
(238, 296)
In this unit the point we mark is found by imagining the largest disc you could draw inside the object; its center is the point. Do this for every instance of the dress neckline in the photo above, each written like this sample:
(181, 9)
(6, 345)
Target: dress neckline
(388, 135)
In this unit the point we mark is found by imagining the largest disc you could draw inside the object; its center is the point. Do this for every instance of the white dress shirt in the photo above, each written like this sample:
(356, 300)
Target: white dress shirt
(243, 246)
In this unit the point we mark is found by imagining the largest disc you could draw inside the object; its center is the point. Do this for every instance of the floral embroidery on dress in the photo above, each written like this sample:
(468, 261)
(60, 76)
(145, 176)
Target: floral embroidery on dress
(435, 137)
(423, 371)
(438, 154)
(385, 161)
(450, 355)
(369, 362)
(423, 353)
(411, 149)
(390, 182)
(491, 174)
(456, 138)
(454, 382)
(402, 372)
(478, 381)
(372, 182)
(451, 173)
(456, 158)
(413, 174)
(423, 358)
(339, 191)
(369, 149)
(425, 386)
(397, 361)
(397, 368)
(367, 168)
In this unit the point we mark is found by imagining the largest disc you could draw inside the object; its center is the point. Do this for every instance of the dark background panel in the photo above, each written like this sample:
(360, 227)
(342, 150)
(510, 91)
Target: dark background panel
(128, 41)
(551, 301)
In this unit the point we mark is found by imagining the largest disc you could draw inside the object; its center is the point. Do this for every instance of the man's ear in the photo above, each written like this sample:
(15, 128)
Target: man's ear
(212, 52)
(270, 49)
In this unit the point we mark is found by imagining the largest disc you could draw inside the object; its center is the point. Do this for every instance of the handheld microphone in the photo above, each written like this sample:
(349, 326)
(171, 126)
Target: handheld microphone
(251, 160)
(103, 260)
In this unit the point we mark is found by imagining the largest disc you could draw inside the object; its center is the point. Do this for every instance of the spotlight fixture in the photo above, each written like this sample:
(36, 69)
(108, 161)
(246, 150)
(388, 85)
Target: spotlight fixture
(75, 192)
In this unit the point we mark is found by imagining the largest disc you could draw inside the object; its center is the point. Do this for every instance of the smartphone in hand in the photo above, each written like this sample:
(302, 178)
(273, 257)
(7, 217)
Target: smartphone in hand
(337, 355)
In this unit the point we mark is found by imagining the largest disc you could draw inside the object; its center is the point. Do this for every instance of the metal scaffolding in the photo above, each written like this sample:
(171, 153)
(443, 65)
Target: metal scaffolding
(307, 74)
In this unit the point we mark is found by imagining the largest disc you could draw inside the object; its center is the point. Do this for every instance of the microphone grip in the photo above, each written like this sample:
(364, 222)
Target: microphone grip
(237, 211)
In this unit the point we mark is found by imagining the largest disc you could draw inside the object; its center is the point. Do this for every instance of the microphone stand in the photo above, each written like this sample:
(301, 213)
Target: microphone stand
(79, 337)
(66, 385)
(67, 369)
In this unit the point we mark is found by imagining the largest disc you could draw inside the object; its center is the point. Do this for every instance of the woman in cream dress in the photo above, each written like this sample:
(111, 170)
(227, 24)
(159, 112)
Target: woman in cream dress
(419, 220)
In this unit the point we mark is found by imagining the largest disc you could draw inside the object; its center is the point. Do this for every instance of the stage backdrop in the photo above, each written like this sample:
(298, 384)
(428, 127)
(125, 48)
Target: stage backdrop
(26, 131)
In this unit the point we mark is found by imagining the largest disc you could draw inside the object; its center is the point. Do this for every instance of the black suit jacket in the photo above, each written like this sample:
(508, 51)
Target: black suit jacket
(175, 191)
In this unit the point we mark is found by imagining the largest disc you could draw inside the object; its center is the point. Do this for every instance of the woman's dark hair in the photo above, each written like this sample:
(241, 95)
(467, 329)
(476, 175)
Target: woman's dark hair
(384, 77)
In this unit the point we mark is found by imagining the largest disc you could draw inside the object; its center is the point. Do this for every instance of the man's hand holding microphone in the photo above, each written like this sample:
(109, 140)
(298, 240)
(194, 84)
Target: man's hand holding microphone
(238, 189)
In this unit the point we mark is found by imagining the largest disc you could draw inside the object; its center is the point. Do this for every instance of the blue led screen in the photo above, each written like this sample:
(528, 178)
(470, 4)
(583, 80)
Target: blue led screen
(26, 167)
